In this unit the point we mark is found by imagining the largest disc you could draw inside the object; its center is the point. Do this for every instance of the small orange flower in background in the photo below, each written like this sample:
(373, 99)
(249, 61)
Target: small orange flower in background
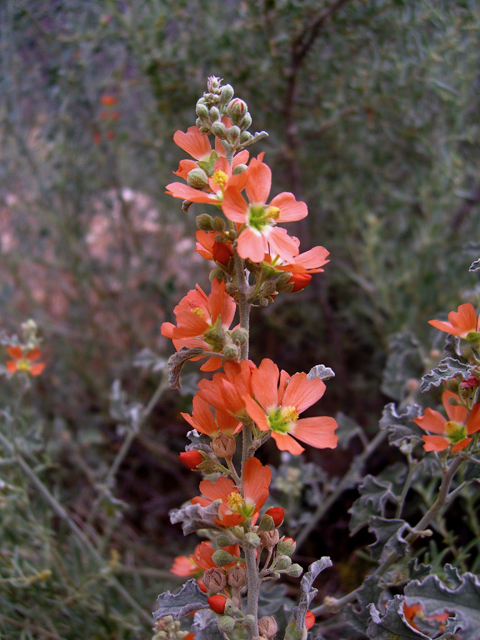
(414, 613)
(24, 361)
(460, 424)
(460, 323)
(108, 100)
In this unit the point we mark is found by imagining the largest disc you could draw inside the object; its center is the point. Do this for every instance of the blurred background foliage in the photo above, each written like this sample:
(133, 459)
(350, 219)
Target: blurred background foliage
(373, 113)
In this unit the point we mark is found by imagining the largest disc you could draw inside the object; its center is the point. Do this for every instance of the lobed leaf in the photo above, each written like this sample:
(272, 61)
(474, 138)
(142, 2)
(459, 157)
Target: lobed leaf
(389, 536)
(445, 370)
(401, 426)
(189, 598)
(195, 517)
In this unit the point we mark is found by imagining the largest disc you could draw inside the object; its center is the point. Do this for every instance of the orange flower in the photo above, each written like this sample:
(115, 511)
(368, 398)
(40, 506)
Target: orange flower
(108, 100)
(235, 507)
(460, 424)
(204, 551)
(278, 403)
(24, 361)
(210, 249)
(259, 234)
(226, 390)
(203, 420)
(416, 610)
(460, 322)
(202, 321)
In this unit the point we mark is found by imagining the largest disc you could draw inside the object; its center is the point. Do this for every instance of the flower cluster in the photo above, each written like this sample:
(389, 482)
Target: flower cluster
(255, 261)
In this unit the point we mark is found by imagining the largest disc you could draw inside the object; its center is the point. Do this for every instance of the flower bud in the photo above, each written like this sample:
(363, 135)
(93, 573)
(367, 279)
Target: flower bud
(237, 577)
(452, 385)
(240, 168)
(204, 222)
(266, 523)
(223, 540)
(286, 546)
(201, 110)
(295, 571)
(239, 335)
(267, 626)
(454, 402)
(227, 94)
(292, 632)
(277, 513)
(197, 178)
(215, 580)
(213, 84)
(223, 446)
(233, 134)
(226, 624)
(230, 352)
(282, 563)
(217, 603)
(466, 353)
(247, 121)
(214, 114)
(218, 224)
(237, 110)
(222, 253)
(191, 459)
(216, 273)
(299, 281)
(230, 288)
(222, 557)
(245, 136)
(309, 620)
(269, 288)
(269, 538)
(219, 130)
(469, 383)
(251, 540)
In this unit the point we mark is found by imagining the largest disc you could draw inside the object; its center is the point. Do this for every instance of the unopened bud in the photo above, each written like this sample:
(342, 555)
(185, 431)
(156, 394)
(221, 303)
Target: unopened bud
(454, 402)
(214, 114)
(239, 335)
(217, 603)
(222, 253)
(223, 540)
(201, 110)
(237, 110)
(251, 540)
(233, 134)
(266, 523)
(230, 352)
(286, 546)
(216, 273)
(299, 281)
(240, 168)
(191, 459)
(282, 563)
(452, 385)
(277, 513)
(227, 94)
(237, 577)
(219, 130)
(223, 446)
(218, 224)
(295, 571)
(283, 283)
(230, 288)
(309, 620)
(269, 538)
(197, 178)
(267, 626)
(215, 580)
(226, 623)
(247, 121)
(222, 557)
(204, 222)
(269, 288)
(466, 352)
(245, 136)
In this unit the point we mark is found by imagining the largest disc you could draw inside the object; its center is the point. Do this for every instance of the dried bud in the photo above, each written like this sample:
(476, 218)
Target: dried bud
(277, 513)
(219, 130)
(215, 580)
(282, 563)
(299, 281)
(197, 178)
(251, 540)
(233, 134)
(222, 557)
(269, 538)
(286, 546)
(201, 110)
(224, 446)
(309, 620)
(218, 224)
(217, 603)
(267, 626)
(237, 577)
(227, 94)
(237, 110)
(295, 571)
(226, 624)
(204, 222)
(191, 459)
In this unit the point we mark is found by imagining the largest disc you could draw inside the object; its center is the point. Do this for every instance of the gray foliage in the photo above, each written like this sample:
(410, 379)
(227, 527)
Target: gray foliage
(189, 598)
(445, 370)
(195, 517)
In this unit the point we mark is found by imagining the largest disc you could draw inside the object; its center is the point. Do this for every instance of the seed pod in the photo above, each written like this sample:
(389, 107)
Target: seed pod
(267, 626)
(269, 538)
(224, 446)
(237, 577)
(215, 580)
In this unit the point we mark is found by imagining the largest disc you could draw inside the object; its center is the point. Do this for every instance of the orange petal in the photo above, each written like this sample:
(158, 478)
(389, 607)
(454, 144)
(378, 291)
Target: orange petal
(37, 369)
(15, 352)
(435, 443)
(457, 413)
(286, 443)
(461, 445)
(194, 142)
(317, 432)
(11, 366)
(432, 421)
(302, 392)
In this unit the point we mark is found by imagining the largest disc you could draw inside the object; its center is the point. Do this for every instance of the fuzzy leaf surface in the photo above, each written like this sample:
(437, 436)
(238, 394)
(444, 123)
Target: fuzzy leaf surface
(445, 370)
(401, 426)
(194, 517)
(189, 598)
(403, 362)
(389, 536)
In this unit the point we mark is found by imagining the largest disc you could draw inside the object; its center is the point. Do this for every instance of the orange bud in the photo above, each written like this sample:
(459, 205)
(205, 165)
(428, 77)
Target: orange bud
(222, 253)
(217, 603)
(191, 459)
(309, 620)
(108, 100)
(299, 281)
(277, 514)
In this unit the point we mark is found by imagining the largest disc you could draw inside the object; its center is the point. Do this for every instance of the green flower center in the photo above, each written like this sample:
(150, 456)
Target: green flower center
(237, 504)
(282, 419)
(23, 365)
(261, 216)
(455, 432)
